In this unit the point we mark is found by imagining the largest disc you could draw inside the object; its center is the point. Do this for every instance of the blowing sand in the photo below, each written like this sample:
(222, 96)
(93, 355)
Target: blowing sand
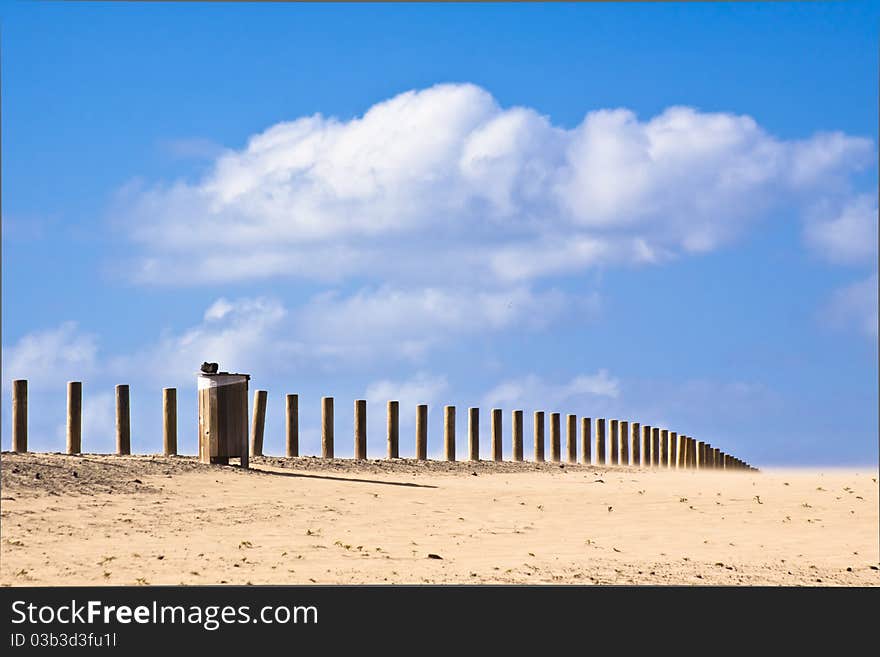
(96, 520)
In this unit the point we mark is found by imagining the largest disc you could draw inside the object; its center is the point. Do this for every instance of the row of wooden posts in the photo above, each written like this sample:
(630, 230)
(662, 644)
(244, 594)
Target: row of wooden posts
(614, 442)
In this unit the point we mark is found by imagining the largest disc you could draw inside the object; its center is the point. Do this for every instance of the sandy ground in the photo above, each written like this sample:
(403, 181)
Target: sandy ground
(95, 520)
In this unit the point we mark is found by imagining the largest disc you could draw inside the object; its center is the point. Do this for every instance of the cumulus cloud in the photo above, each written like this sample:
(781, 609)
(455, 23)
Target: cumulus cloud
(532, 391)
(411, 321)
(50, 357)
(849, 235)
(419, 389)
(241, 335)
(422, 182)
(325, 333)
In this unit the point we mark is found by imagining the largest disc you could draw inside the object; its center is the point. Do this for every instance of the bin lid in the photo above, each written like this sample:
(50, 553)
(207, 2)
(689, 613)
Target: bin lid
(221, 379)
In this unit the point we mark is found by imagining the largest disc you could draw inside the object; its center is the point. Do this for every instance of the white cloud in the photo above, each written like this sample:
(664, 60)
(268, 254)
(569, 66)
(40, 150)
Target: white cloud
(421, 183)
(333, 331)
(420, 389)
(532, 391)
(410, 321)
(240, 335)
(855, 305)
(50, 357)
(849, 236)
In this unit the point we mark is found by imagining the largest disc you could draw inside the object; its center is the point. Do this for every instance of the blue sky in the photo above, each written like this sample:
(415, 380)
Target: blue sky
(661, 212)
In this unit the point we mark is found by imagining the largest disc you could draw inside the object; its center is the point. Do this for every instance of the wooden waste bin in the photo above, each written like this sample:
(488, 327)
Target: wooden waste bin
(223, 417)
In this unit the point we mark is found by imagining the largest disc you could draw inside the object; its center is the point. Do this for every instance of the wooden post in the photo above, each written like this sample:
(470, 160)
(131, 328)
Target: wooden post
(74, 417)
(571, 431)
(360, 429)
(291, 416)
(555, 438)
(692, 452)
(517, 435)
(645, 446)
(636, 458)
(681, 451)
(673, 449)
(664, 448)
(539, 436)
(19, 415)
(327, 427)
(422, 432)
(700, 454)
(449, 432)
(474, 434)
(623, 453)
(716, 459)
(393, 426)
(655, 447)
(169, 421)
(497, 452)
(258, 422)
(123, 421)
(614, 442)
(586, 440)
(600, 441)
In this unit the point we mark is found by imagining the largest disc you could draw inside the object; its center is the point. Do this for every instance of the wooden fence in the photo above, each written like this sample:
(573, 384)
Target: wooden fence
(614, 442)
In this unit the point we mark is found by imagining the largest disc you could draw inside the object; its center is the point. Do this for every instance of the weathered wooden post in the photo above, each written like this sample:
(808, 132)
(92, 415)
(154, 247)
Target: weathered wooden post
(393, 429)
(600, 441)
(681, 451)
(360, 429)
(422, 432)
(716, 459)
(700, 454)
(449, 432)
(636, 459)
(123, 421)
(645, 446)
(474, 434)
(258, 422)
(707, 451)
(169, 421)
(624, 442)
(571, 428)
(539, 436)
(291, 424)
(664, 448)
(74, 417)
(673, 449)
(19, 415)
(614, 441)
(517, 435)
(586, 440)
(555, 438)
(327, 427)
(655, 447)
(497, 438)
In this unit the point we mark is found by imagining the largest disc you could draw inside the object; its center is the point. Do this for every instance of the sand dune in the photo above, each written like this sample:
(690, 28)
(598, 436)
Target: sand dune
(95, 520)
